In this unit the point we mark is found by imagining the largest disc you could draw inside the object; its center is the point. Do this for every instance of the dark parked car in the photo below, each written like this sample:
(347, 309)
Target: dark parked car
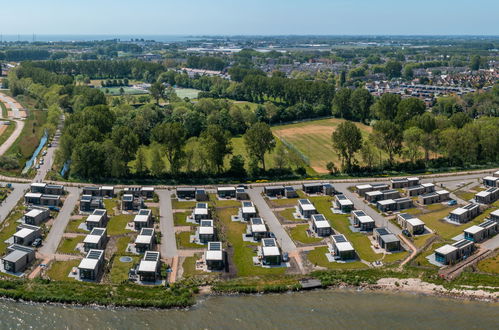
(406, 233)
(37, 242)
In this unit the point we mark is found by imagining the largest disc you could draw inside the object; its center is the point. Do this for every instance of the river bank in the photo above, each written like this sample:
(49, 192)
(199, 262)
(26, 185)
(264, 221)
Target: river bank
(318, 309)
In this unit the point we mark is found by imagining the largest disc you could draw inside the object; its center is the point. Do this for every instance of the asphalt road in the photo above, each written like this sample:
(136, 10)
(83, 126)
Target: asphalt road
(282, 237)
(166, 225)
(48, 158)
(61, 221)
(10, 202)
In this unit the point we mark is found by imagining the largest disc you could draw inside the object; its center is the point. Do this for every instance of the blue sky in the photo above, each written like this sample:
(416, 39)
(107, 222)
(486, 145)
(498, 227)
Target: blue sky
(250, 17)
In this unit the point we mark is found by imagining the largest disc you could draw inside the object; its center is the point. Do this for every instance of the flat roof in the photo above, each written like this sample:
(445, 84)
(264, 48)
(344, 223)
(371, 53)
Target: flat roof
(390, 238)
(415, 222)
(306, 205)
(226, 189)
(92, 239)
(34, 213)
(99, 212)
(483, 193)
(491, 178)
(446, 249)
(495, 213)
(462, 243)
(363, 186)
(127, 197)
(38, 184)
(474, 230)
(141, 218)
(271, 251)
(190, 189)
(33, 195)
(374, 193)
(344, 246)
(442, 192)
(273, 187)
(213, 255)
(94, 218)
(206, 230)
(249, 209)
(143, 239)
(386, 202)
(146, 266)
(88, 263)
(15, 255)
(24, 232)
(359, 213)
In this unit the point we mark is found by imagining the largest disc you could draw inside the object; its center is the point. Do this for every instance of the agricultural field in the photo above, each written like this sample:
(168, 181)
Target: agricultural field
(313, 140)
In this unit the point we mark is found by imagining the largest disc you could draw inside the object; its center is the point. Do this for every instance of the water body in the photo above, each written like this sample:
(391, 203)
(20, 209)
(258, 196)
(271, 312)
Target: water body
(94, 37)
(306, 310)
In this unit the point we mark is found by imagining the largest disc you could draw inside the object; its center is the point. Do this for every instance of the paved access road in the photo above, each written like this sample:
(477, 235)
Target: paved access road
(10, 202)
(282, 237)
(61, 221)
(13, 137)
(166, 225)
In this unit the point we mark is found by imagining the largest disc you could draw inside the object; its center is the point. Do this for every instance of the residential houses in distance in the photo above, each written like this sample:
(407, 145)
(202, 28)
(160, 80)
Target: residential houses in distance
(465, 213)
(214, 256)
(341, 248)
(452, 253)
(92, 266)
(488, 196)
(386, 239)
(410, 223)
(362, 221)
(394, 204)
(280, 191)
(320, 225)
(191, 193)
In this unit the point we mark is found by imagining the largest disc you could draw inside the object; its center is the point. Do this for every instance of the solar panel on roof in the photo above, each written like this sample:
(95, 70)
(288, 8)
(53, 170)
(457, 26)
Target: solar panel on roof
(304, 201)
(147, 231)
(461, 243)
(256, 221)
(268, 242)
(319, 217)
(215, 246)
(382, 231)
(247, 204)
(151, 256)
(342, 197)
(93, 254)
(205, 223)
(96, 231)
(339, 238)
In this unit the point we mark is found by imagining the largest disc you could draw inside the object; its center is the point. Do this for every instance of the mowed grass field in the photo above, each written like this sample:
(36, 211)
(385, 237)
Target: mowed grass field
(313, 139)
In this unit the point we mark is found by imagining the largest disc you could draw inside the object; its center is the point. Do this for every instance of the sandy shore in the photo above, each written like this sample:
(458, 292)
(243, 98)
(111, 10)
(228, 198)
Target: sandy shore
(415, 285)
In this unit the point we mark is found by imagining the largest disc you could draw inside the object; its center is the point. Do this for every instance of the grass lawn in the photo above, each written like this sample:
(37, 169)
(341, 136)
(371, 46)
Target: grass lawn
(119, 270)
(420, 240)
(8, 131)
(489, 265)
(318, 258)
(155, 212)
(117, 224)
(421, 258)
(9, 226)
(299, 234)
(68, 244)
(394, 257)
(283, 202)
(187, 92)
(340, 223)
(121, 245)
(183, 204)
(72, 226)
(464, 195)
(110, 204)
(189, 266)
(30, 136)
(59, 270)
(288, 214)
(243, 251)
(184, 242)
(113, 91)
(446, 229)
(179, 219)
(313, 139)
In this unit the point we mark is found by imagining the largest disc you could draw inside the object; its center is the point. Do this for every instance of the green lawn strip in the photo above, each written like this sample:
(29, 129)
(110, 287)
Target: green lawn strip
(119, 270)
(447, 230)
(30, 135)
(176, 204)
(420, 240)
(117, 224)
(189, 266)
(59, 270)
(110, 204)
(70, 291)
(243, 251)
(421, 258)
(179, 219)
(393, 257)
(288, 214)
(121, 245)
(283, 202)
(155, 212)
(183, 241)
(5, 112)
(489, 265)
(9, 226)
(8, 132)
(73, 225)
(299, 234)
(68, 244)
(464, 195)
(340, 222)
(318, 258)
